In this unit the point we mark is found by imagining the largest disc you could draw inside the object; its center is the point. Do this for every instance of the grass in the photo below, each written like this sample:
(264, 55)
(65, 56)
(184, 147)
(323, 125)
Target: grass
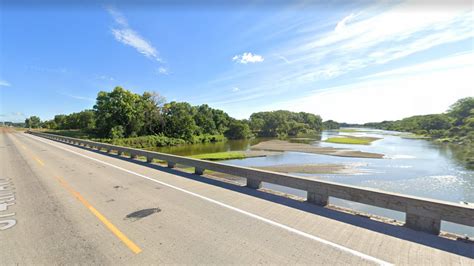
(217, 156)
(351, 140)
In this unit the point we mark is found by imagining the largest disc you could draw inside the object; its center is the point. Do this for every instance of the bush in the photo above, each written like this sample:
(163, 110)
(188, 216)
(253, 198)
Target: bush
(144, 142)
(207, 138)
(117, 132)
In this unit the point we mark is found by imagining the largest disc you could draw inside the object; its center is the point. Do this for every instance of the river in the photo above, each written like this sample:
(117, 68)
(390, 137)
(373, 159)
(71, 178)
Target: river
(412, 166)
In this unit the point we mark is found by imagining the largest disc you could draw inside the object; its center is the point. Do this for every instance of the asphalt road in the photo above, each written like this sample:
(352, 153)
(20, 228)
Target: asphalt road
(61, 204)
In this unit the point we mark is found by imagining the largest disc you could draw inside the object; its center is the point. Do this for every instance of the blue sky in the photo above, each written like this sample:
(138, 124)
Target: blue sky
(352, 62)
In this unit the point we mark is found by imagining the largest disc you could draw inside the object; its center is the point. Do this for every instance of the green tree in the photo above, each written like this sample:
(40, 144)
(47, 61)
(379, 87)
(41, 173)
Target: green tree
(153, 123)
(238, 130)
(119, 108)
(50, 124)
(331, 124)
(204, 120)
(179, 120)
(60, 121)
(33, 122)
(461, 109)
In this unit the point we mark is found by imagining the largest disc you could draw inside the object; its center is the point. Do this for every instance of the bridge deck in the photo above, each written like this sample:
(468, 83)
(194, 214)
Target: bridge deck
(73, 205)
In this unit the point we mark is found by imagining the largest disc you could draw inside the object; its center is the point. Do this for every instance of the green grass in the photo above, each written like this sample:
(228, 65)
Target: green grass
(352, 140)
(228, 155)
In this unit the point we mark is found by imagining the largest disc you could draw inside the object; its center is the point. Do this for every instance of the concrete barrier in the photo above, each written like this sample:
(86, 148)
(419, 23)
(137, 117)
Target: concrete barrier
(421, 213)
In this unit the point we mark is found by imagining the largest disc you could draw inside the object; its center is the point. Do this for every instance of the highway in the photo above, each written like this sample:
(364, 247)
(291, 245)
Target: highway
(61, 204)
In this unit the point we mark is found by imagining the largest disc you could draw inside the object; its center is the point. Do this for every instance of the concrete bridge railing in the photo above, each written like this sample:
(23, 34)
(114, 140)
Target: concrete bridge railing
(421, 213)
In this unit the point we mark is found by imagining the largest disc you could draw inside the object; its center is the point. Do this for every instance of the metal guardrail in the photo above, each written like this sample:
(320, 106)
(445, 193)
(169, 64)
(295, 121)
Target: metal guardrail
(421, 213)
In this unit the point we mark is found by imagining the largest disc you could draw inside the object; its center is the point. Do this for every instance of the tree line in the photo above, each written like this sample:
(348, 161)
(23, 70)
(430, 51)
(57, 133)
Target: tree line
(121, 113)
(455, 125)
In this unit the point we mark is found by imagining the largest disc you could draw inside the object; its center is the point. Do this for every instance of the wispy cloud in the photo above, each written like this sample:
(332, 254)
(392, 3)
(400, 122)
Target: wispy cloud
(77, 97)
(235, 89)
(4, 83)
(341, 25)
(360, 41)
(163, 71)
(432, 88)
(126, 35)
(247, 57)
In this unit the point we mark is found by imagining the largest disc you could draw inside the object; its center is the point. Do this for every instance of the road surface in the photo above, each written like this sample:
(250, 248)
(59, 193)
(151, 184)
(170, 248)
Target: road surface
(64, 204)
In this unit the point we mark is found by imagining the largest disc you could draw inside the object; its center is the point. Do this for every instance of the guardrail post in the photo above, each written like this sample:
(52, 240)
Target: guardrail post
(198, 171)
(171, 165)
(149, 159)
(254, 183)
(119, 153)
(318, 196)
(423, 223)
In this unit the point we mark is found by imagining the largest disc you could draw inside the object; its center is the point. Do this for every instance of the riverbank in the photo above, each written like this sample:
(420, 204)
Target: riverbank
(282, 146)
(234, 155)
(345, 169)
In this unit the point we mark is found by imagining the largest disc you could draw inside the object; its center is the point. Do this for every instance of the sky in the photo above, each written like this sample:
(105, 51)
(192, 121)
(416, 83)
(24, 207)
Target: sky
(348, 61)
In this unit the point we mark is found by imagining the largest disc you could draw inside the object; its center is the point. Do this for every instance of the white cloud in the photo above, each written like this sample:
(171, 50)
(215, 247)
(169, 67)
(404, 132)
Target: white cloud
(341, 25)
(235, 89)
(82, 98)
(366, 40)
(283, 58)
(247, 58)
(126, 35)
(393, 94)
(378, 36)
(163, 71)
(4, 83)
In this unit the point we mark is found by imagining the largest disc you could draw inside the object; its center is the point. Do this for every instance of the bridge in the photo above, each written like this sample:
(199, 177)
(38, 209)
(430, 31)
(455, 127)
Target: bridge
(66, 200)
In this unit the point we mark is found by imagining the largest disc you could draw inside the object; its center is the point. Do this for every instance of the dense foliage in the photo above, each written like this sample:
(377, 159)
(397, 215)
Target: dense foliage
(33, 122)
(456, 125)
(284, 123)
(238, 130)
(331, 124)
(126, 118)
(146, 120)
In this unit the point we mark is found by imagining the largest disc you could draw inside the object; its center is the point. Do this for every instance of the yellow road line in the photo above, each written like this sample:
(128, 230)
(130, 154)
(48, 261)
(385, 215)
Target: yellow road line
(39, 161)
(129, 243)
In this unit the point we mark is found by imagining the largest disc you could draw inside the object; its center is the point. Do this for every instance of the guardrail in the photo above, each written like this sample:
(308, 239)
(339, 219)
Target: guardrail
(421, 213)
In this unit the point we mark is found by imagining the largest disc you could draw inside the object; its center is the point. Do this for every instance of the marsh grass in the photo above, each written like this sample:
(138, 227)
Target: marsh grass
(352, 140)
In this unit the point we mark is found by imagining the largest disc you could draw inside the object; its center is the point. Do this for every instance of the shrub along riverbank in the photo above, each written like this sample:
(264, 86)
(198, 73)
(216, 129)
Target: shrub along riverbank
(456, 125)
(142, 142)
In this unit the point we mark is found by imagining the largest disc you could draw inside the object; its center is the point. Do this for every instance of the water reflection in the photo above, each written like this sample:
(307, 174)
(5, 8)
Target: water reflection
(412, 166)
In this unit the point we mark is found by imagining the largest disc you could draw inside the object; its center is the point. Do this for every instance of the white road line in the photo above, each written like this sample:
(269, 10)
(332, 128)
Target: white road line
(265, 220)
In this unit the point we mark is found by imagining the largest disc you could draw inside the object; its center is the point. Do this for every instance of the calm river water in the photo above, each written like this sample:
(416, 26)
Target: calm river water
(412, 166)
